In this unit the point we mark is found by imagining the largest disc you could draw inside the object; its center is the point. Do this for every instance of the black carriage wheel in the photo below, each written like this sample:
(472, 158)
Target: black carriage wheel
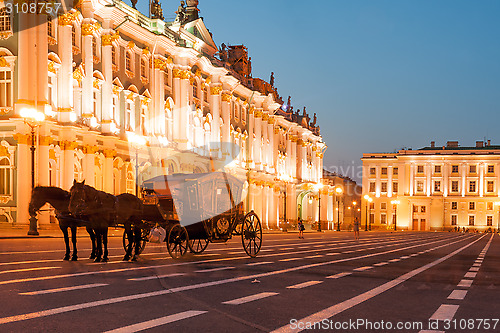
(197, 246)
(177, 241)
(144, 238)
(251, 234)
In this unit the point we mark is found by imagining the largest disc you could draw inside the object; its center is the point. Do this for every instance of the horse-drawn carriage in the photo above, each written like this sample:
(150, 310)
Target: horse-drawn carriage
(194, 210)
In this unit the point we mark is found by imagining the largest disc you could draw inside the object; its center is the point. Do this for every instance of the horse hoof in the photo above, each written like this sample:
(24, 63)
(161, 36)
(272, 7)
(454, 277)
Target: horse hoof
(97, 259)
(134, 258)
(92, 256)
(66, 257)
(74, 257)
(105, 259)
(126, 258)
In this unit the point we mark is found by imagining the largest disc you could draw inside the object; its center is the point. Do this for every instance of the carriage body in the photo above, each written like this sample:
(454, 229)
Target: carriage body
(202, 208)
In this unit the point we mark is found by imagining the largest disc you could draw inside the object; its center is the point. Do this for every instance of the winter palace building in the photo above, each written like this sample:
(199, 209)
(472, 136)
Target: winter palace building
(124, 94)
(433, 188)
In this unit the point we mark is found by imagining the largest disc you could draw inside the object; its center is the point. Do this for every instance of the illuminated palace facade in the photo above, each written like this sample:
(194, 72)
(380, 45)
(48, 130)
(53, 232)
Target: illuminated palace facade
(104, 73)
(433, 188)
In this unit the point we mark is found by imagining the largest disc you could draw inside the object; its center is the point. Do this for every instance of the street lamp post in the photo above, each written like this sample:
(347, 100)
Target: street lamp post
(395, 204)
(319, 186)
(338, 192)
(368, 201)
(32, 118)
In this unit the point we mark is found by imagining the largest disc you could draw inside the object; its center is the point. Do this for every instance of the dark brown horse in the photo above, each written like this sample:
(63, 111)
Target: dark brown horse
(104, 210)
(59, 200)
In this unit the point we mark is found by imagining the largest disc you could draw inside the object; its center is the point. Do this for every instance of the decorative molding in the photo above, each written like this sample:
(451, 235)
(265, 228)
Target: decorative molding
(198, 73)
(21, 138)
(88, 29)
(51, 40)
(271, 120)
(145, 101)
(59, 109)
(265, 117)
(67, 18)
(145, 51)
(160, 64)
(52, 154)
(50, 67)
(130, 45)
(96, 59)
(5, 110)
(144, 80)
(258, 114)
(114, 68)
(5, 198)
(68, 145)
(129, 74)
(251, 109)
(176, 73)
(185, 75)
(45, 140)
(130, 96)
(75, 50)
(215, 90)
(6, 34)
(116, 89)
(226, 97)
(208, 80)
(170, 60)
(4, 151)
(107, 40)
(95, 84)
(167, 105)
(109, 153)
(4, 62)
(90, 149)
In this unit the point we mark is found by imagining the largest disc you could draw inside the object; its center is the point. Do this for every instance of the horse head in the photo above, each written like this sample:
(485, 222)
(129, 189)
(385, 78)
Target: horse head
(78, 198)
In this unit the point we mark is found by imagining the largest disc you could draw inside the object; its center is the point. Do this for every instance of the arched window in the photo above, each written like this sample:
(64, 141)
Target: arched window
(205, 94)
(128, 61)
(195, 89)
(143, 68)
(5, 22)
(165, 77)
(5, 177)
(50, 27)
(116, 111)
(73, 35)
(128, 115)
(94, 47)
(6, 87)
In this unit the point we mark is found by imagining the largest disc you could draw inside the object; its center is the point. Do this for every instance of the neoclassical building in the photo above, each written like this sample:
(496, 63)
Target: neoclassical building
(433, 188)
(103, 74)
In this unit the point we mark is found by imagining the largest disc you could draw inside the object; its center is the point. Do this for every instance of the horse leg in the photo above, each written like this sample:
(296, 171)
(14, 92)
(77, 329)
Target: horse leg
(105, 243)
(128, 249)
(93, 240)
(98, 254)
(74, 257)
(137, 242)
(66, 241)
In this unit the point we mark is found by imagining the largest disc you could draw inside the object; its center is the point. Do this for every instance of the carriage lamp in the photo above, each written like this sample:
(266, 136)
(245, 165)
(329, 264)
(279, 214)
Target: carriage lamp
(137, 142)
(33, 119)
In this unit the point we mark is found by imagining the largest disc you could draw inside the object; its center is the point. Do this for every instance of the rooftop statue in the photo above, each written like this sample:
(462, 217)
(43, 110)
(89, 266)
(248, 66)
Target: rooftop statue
(271, 80)
(156, 11)
(134, 2)
(181, 13)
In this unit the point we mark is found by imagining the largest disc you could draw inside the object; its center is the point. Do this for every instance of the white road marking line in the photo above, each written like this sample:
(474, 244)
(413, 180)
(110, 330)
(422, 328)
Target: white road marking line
(251, 298)
(457, 294)
(318, 245)
(414, 255)
(332, 253)
(316, 256)
(395, 260)
(381, 264)
(404, 257)
(214, 269)
(470, 275)
(303, 247)
(154, 277)
(465, 283)
(27, 269)
(474, 269)
(364, 268)
(348, 251)
(57, 290)
(287, 248)
(291, 259)
(339, 275)
(260, 263)
(445, 312)
(64, 309)
(347, 304)
(157, 322)
(304, 284)
(477, 265)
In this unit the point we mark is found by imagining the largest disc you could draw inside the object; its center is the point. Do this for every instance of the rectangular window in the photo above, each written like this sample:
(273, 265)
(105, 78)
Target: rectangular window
(454, 220)
(383, 205)
(372, 171)
(372, 218)
(394, 187)
(454, 186)
(422, 209)
(472, 205)
(420, 169)
(372, 187)
(415, 208)
(437, 169)
(454, 205)
(384, 171)
(489, 220)
(372, 205)
(384, 187)
(490, 186)
(437, 186)
(491, 169)
(489, 206)
(420, 186)
(472, 186)
(471, 219)
(395, 171)
(383, 219)
(454, 169)
(472, 169)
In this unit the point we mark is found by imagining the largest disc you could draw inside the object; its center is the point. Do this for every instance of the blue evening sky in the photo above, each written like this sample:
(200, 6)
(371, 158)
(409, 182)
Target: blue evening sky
(381, 75)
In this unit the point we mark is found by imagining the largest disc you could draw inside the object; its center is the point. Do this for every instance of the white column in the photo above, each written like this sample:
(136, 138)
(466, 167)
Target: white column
(481, 179)
(463, 166)
(65, 73)
(157, 119)
(176, 112)
(23, 178)
(68, 163)
(88, 80)
(428, 171)
(215, 91)
(258, 139)
(389, 182)
(107, 89)
(89, 165)
(107, 171)
(446, 180)
(412, 178)
(226, 117)
(185, 92)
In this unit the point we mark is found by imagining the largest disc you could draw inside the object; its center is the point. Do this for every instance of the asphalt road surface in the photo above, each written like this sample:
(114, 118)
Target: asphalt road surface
(385, 282)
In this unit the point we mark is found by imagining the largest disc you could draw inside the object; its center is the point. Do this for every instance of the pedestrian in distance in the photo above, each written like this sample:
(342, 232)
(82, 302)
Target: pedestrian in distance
(356, 228)
(300, 226)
